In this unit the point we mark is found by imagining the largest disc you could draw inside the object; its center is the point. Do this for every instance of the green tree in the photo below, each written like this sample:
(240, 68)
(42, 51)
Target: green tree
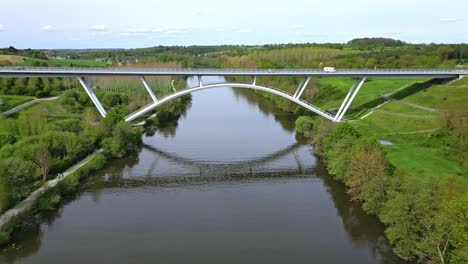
(124, 138)
(367, 175)
(16, 177)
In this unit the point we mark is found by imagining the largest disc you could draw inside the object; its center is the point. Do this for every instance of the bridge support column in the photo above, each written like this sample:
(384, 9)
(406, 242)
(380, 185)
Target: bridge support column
(300, 89)
(254, 80)
(200, 83)
(92, 96)
(346, 98)
(148, 88)
(172, 85)
(348, 102)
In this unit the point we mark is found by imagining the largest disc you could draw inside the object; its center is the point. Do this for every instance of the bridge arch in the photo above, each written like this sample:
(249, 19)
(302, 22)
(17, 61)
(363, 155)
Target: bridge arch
(252, 86)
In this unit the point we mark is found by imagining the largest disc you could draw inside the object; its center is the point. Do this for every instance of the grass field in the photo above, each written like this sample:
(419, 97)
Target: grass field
(441, 96)
(12, 60)
(399, 108)
(410, 129)
(52, 108)
(372, 90)
(9, 101)
(65, 63)
(461, 82)
(14, 100)
(421, 162)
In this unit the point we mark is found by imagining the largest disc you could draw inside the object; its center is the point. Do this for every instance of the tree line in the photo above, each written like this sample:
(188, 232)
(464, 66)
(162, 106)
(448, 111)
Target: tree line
(426, 221)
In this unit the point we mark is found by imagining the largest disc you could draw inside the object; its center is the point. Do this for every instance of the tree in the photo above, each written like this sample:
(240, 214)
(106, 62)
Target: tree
(367, 173)
(124, 138)
(16, 176)
(43, 159)
(404, 215)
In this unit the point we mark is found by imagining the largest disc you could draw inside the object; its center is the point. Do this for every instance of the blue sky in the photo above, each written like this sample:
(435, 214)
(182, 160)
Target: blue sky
(143, 23)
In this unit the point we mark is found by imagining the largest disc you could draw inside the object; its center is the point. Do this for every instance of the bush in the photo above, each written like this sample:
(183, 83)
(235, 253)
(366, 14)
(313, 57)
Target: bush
(6, 138)
(304, 125)
(124, 139)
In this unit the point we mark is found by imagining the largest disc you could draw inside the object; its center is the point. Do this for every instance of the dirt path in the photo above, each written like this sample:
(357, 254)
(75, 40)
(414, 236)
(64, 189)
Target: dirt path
(22, 106)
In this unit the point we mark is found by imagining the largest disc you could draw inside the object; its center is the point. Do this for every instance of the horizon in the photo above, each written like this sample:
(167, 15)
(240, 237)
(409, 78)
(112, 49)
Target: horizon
(52, 24)
(239, 45)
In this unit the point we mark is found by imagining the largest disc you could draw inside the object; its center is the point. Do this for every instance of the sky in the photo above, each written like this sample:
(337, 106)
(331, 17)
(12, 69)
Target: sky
(54, 24)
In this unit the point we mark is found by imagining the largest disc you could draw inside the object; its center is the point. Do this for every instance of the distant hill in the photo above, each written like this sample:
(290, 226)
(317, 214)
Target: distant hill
(366, 42)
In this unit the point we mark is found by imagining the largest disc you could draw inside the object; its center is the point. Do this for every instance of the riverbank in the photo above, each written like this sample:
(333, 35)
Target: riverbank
(69, 180)
(421, 216)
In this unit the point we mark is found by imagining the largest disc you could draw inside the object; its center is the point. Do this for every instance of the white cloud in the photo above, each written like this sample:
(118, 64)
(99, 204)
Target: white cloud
(1, 27)
(297, 26)
(98, 28)
(448, 20)
(48, 28)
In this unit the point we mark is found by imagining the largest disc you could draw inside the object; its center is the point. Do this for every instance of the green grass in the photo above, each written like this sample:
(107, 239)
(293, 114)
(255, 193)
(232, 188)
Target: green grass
(379, 123)
(441, 96)
(421, 162)
(11, 60)
(408, 153)
(52, 108)
(462, 82)
(372, 90)
(11, 101)
(396, 107)
(51, 62)
(65, 62)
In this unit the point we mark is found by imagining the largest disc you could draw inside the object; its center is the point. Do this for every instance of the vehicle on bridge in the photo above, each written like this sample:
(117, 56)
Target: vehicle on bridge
(329, 69)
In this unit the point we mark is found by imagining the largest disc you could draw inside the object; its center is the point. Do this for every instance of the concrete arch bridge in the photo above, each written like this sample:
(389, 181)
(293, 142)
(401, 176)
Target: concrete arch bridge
(359, 76)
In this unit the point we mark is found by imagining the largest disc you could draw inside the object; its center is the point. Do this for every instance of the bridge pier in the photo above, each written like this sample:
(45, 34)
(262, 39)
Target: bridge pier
(254, 80)
(148, 88)
(347, 102)
(92, 96)
(300, 89)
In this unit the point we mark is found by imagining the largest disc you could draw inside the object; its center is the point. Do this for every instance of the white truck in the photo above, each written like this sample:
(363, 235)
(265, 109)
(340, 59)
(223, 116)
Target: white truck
(329, 69)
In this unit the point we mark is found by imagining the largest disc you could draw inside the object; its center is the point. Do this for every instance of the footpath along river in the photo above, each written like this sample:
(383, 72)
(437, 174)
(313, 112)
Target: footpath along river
(229, 183)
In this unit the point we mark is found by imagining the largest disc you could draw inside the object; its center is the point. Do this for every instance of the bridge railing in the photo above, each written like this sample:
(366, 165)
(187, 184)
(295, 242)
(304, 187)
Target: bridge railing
(251, 72)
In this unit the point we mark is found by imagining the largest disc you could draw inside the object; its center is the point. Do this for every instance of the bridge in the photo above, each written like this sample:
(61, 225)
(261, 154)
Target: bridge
(359, 75)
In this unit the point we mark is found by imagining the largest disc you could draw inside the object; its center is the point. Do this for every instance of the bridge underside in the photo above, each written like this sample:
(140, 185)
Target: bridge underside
(296, 97)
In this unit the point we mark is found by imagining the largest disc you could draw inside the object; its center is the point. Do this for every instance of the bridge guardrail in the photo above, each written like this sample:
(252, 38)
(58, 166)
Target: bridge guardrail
(253, 72)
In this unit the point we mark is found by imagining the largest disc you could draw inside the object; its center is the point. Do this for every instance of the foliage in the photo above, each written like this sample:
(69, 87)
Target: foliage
(426, 221)
(124, 139)
(304, 124)
(16, 177)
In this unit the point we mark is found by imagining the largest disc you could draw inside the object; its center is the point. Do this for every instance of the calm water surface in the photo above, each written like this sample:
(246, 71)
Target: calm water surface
(229, 183)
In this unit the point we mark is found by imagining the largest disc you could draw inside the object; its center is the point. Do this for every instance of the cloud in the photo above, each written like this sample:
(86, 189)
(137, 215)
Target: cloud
(297, 26)
(48, 28)
(2, 28)
(98, 28)
(448, 20)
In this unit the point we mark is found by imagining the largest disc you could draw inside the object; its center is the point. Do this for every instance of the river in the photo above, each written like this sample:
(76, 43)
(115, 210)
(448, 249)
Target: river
(229, 183)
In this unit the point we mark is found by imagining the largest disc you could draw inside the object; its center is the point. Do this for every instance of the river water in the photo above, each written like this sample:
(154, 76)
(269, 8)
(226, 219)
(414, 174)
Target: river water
(229, 183)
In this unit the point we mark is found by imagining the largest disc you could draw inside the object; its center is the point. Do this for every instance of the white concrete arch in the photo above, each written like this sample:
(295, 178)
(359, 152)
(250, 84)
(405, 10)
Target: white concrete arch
(185, 91)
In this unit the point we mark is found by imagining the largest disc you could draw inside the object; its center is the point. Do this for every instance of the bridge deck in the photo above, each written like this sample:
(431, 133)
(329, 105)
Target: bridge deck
(358, 73)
